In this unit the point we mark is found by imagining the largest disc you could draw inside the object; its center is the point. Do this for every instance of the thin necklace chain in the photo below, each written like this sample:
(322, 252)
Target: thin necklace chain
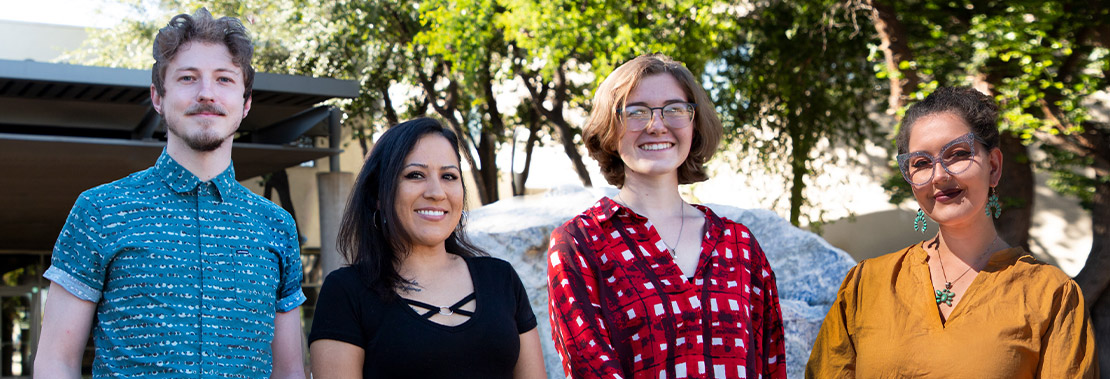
(947, 283)
(681, 225)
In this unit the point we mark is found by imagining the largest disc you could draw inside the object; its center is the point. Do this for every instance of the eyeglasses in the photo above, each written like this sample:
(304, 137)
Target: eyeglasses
(919, 167)
(674, 115)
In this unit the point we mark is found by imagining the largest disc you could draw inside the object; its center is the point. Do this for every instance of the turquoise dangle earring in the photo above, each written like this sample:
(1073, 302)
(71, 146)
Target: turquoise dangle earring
(919, 223)
(992, 203)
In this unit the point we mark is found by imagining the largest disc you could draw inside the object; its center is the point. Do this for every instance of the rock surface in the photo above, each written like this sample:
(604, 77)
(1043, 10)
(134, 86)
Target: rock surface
(808, 269)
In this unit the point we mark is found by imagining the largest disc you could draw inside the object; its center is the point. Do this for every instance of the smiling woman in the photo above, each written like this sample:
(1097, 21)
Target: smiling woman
(646, 285)
(961, 303)
(429, 194)
(416, 291)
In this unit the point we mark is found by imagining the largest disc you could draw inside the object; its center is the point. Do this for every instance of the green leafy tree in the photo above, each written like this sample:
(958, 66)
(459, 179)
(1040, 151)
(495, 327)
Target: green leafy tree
(797, 75)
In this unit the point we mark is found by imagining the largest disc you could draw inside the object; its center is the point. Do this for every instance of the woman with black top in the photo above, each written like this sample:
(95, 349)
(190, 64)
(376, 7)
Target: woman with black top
(418, 300)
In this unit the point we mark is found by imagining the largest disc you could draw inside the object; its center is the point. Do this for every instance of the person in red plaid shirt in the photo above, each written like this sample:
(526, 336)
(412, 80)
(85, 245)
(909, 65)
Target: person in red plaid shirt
(646, 285)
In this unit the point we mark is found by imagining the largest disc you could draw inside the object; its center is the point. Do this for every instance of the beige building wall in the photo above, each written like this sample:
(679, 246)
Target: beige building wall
(38, 42)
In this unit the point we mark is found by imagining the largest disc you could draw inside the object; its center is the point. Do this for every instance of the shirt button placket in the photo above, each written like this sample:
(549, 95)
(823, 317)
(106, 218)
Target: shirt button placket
(207, 279)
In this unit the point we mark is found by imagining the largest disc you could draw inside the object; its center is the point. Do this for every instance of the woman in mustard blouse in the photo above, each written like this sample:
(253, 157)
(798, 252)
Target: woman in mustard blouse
(962, 303)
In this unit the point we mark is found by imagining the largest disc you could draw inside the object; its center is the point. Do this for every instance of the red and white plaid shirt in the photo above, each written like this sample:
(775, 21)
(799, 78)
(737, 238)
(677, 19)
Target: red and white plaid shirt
(621, 308)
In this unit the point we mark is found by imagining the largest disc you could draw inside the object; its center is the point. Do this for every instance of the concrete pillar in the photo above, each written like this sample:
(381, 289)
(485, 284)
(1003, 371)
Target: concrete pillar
(334, 188)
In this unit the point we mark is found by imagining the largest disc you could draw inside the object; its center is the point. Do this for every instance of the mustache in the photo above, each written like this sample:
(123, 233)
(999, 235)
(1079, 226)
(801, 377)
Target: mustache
(205, 108)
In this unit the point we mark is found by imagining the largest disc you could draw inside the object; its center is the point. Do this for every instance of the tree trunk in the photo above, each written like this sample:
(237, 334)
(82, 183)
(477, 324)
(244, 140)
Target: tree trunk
(1093, 280)
(533, 119)
(555, 116)
(387, 107)
(896, 50)
(1100, 320)
(464, 147)
(363, 142)
(566, 137)
(487, 155)
(1095, 271)
(566, 132)
(487, 147)
(798, 155)
(1015, 192)
(279, 181)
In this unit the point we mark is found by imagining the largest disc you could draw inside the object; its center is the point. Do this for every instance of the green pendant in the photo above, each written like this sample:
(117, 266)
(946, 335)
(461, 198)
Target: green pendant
(945, 296)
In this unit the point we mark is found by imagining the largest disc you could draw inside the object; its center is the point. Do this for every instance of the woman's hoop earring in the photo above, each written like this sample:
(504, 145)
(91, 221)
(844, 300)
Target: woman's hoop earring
(992, 203)
(374, 220)
(920, 223)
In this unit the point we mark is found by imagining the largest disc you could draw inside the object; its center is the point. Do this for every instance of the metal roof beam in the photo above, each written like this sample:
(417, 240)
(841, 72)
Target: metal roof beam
(150, 122)
(289, 129)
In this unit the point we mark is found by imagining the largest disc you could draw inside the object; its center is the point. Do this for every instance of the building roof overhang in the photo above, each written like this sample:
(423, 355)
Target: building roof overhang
(66, 128)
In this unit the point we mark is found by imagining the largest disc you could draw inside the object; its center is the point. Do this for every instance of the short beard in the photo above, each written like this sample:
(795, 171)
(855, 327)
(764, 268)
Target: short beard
(202, 143)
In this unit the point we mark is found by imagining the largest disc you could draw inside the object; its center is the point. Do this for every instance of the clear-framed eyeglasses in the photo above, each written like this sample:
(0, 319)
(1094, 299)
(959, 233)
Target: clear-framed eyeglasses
(956, 157)
(674, 115)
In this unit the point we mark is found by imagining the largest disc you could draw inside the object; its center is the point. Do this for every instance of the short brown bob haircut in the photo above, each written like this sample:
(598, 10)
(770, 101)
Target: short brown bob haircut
(605, 127)
(201, 27)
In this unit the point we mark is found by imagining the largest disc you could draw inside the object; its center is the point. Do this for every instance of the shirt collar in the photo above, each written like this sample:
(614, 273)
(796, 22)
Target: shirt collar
(1007, 257)
(181, 180)
(999, 258)
(606, 208)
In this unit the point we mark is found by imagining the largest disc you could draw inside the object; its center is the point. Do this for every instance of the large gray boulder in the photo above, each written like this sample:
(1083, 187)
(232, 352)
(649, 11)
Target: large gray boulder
(808, 269)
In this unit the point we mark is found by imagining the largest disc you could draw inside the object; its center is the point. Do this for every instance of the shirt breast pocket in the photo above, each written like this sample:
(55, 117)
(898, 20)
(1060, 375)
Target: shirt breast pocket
(255, 272)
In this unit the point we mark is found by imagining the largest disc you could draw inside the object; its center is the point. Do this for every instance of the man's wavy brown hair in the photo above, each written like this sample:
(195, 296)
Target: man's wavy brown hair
(201, 27)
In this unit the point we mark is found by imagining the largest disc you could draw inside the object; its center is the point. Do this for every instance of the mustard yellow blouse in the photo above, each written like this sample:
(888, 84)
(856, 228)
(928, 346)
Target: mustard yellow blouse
(1019, 318)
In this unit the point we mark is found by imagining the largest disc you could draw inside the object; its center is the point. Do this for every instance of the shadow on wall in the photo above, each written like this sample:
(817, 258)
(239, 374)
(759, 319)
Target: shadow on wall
(883, 232)
(1061, 228)
(874, 234)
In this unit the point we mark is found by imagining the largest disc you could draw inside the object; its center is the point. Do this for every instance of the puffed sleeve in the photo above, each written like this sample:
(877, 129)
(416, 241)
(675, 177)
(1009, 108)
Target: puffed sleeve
(1068, 349)
(774, 348)
(578, 328)
(834, 352)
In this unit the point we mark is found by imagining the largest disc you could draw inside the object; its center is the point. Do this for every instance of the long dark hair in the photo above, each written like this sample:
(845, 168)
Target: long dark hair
(371, 237)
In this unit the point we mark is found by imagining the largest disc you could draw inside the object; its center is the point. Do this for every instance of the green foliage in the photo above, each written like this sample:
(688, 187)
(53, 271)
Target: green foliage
(789, 77)
(1040, 57)
(1068, 176)
(797, 76)
(594, 37)
(896, 186)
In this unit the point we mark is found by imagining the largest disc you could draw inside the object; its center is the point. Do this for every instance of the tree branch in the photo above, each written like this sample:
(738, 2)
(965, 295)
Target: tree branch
(896, 50)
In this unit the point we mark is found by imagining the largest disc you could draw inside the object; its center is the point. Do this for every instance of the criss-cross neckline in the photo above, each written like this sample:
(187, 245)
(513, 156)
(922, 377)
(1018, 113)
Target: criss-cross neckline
(446, 311)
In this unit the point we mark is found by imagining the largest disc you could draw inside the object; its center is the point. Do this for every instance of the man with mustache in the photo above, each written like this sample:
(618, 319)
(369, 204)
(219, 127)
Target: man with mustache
(187, 273)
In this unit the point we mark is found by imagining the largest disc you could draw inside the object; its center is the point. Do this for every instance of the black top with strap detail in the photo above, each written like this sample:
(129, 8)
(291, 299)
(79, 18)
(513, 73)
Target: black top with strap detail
(446, 311)
(400, 342)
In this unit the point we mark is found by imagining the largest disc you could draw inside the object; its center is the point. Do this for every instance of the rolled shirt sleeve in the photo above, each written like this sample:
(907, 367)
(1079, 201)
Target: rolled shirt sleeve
(80, 253)
(290, 294)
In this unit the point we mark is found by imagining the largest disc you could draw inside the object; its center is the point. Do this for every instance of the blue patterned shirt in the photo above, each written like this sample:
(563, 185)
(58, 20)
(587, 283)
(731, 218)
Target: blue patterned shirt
(187, 275)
